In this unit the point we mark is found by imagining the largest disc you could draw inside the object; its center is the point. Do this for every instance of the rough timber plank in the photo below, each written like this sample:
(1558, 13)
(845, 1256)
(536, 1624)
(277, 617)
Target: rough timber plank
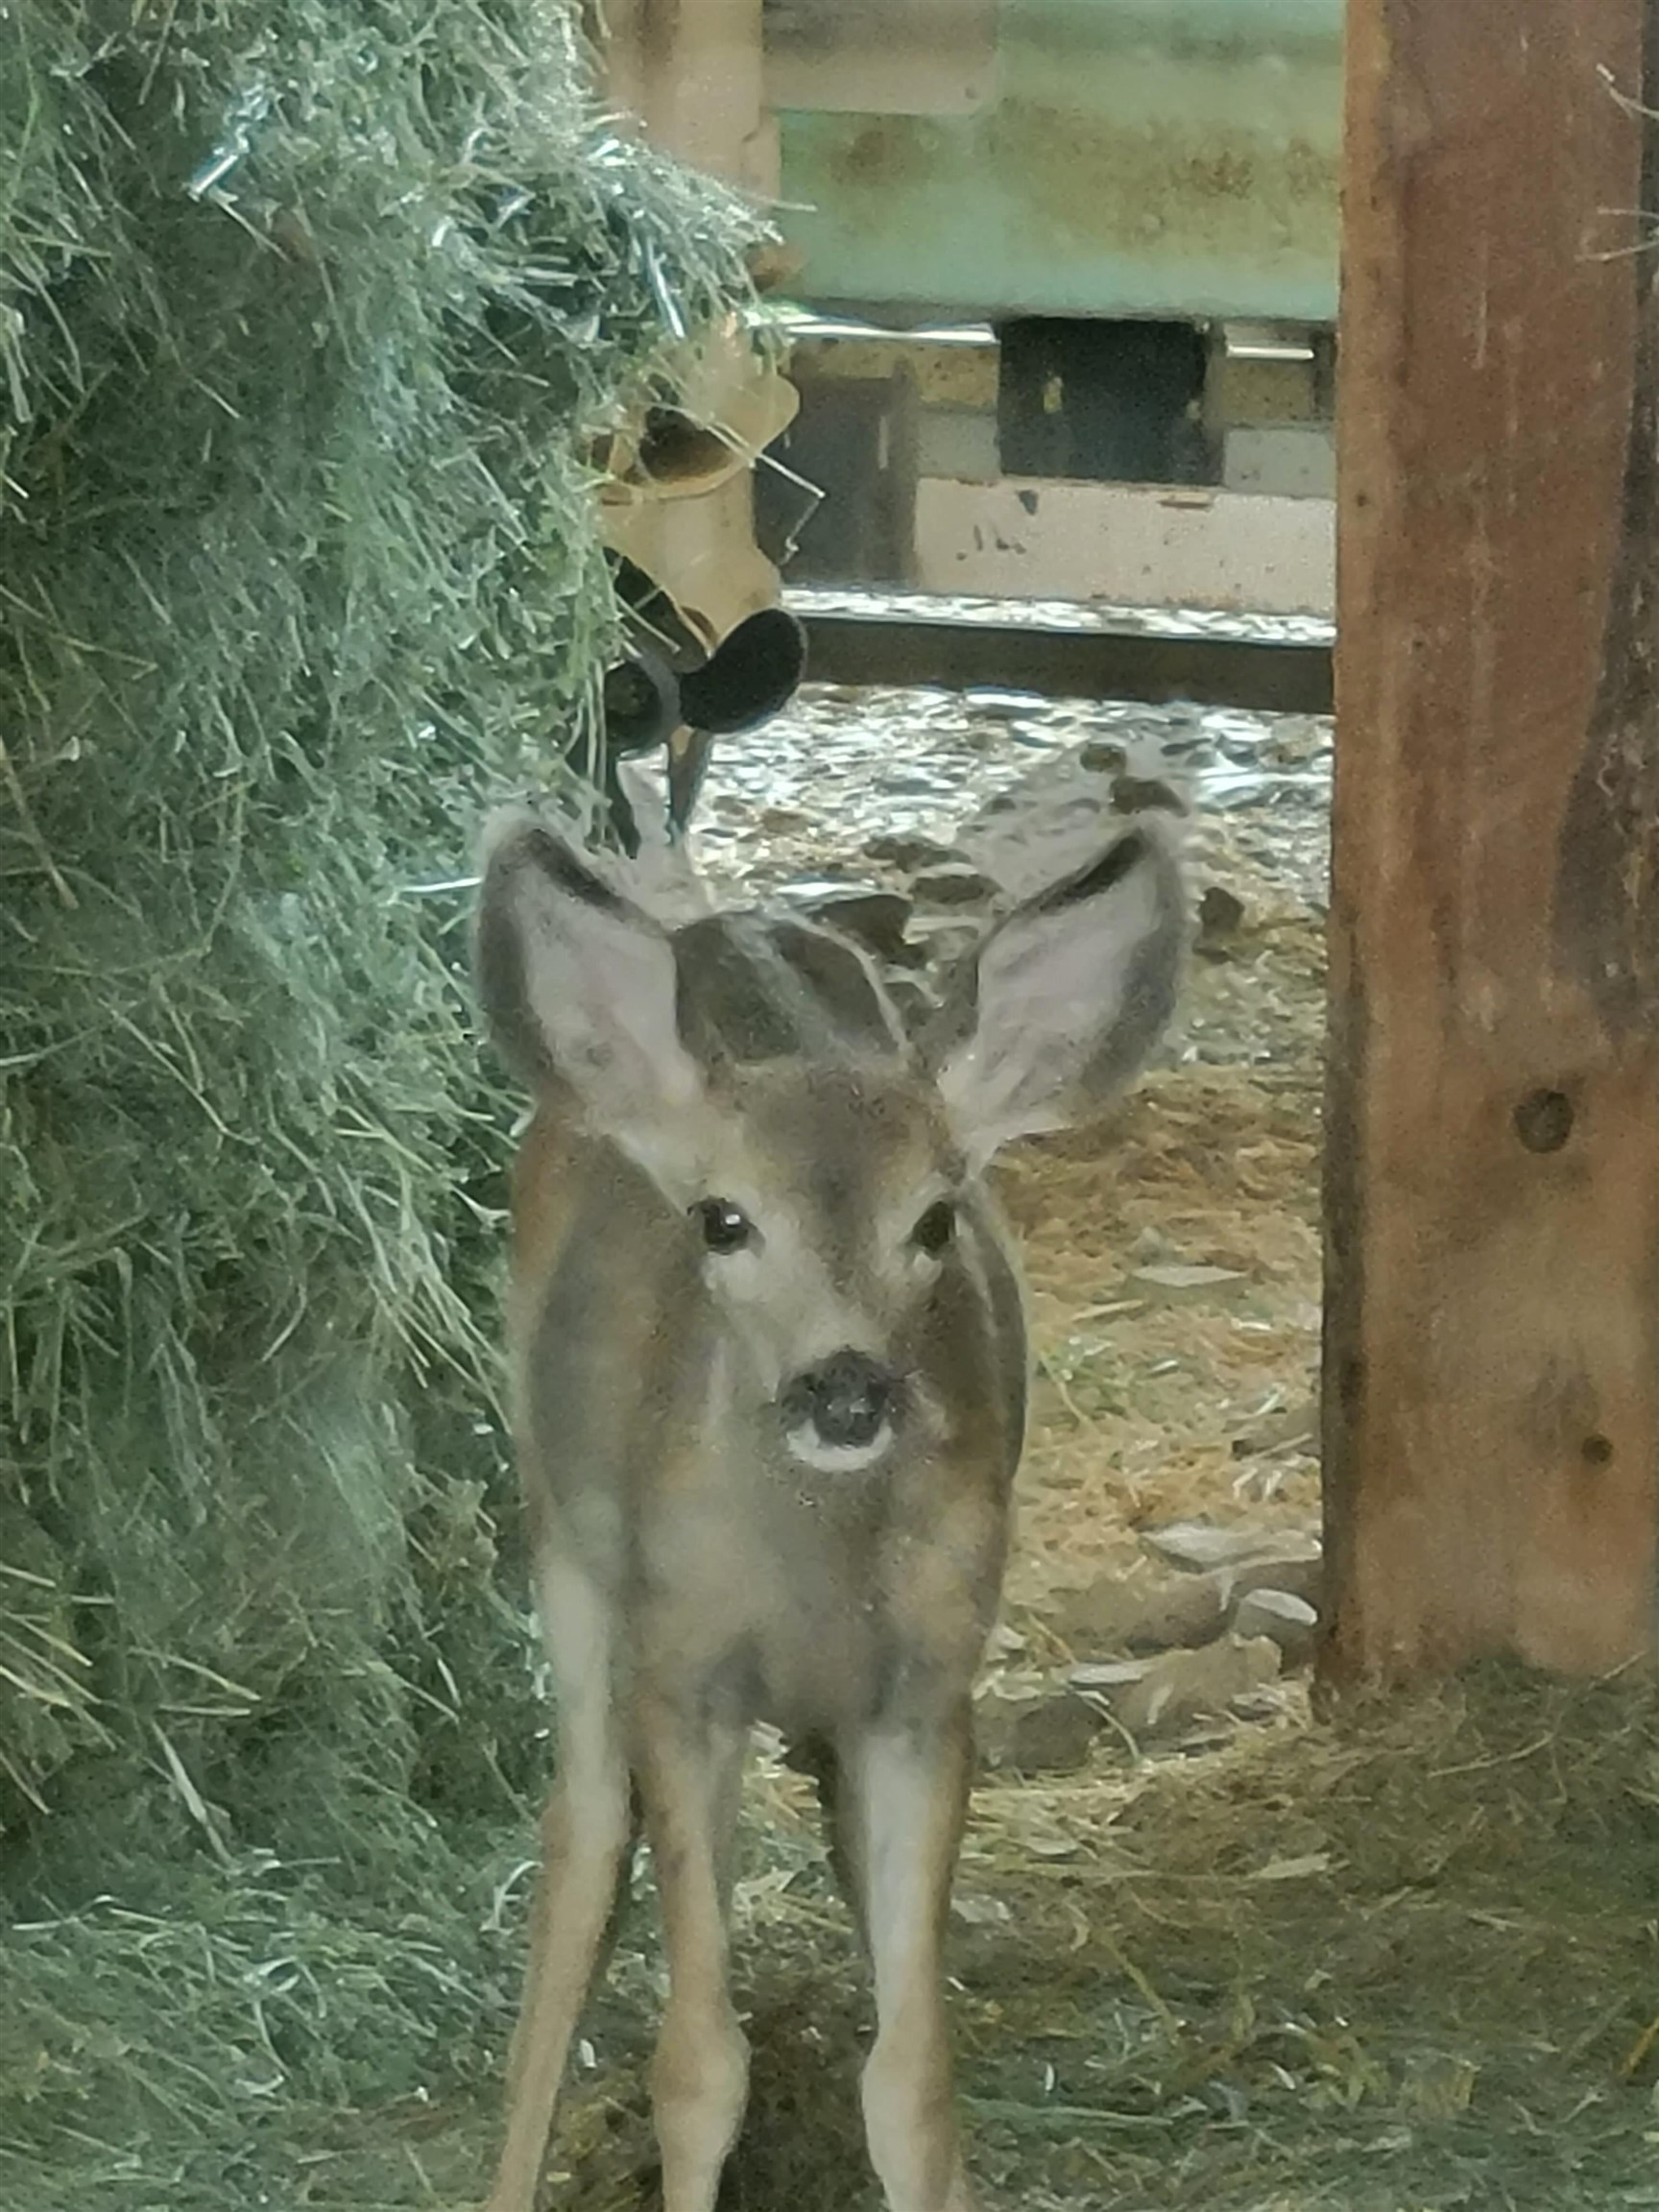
(1492, 1358)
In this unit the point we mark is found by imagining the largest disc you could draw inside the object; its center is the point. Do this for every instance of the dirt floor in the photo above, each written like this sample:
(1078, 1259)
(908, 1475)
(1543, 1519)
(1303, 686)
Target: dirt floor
(1210, 1952)
(1246, 1960)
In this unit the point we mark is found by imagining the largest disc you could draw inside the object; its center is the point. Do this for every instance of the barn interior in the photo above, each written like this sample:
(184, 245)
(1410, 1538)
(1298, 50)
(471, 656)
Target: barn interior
(997, 345)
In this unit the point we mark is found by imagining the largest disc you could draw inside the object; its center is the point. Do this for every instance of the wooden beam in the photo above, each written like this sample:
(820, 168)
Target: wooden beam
(906, 649)
(1492, 1354)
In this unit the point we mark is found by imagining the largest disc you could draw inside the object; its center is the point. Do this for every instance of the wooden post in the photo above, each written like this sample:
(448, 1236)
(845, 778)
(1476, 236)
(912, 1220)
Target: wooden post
(693, 74)
(1492, 1340)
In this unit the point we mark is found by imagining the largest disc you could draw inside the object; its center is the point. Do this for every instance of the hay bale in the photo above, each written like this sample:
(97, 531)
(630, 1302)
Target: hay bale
(306, 311)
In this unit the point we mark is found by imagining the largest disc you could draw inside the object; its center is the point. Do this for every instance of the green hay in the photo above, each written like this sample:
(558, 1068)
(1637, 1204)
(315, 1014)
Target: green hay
(208, 2046)
(307, 309)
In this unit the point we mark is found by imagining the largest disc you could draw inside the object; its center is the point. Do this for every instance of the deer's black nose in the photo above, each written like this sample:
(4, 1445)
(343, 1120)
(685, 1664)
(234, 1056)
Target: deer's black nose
(845, 1401)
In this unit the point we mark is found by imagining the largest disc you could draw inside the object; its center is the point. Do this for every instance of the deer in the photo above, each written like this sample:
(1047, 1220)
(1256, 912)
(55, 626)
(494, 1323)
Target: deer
(770, 1369)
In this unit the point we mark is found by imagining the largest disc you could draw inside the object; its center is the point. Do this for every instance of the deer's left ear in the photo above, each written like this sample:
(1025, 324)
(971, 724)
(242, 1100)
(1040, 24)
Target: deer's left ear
(1069, 994)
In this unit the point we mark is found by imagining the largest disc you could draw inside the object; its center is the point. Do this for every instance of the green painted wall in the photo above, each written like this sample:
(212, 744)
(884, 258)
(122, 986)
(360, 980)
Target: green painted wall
(1173, 157)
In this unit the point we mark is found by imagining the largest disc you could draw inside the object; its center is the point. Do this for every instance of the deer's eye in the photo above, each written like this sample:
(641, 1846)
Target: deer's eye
(726, 1228)
(935, 1228)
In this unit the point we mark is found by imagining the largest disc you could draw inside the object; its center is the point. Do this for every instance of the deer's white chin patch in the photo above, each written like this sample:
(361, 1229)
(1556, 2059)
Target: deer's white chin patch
(808, 1447)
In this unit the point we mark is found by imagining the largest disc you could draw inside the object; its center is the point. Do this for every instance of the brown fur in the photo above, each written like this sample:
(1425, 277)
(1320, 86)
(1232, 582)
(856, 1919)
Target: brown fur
(703, 1563)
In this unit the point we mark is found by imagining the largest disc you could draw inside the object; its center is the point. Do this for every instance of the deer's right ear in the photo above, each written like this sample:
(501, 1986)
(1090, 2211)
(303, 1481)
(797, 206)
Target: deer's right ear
(578, 985)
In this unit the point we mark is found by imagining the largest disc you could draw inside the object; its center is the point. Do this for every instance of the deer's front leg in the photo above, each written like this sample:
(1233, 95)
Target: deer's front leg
(689, 1768)
(586, 1840)
(911, 1784)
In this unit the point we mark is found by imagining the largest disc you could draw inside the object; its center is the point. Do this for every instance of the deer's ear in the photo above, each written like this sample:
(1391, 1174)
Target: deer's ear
(579, 987)
(1067, 997)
